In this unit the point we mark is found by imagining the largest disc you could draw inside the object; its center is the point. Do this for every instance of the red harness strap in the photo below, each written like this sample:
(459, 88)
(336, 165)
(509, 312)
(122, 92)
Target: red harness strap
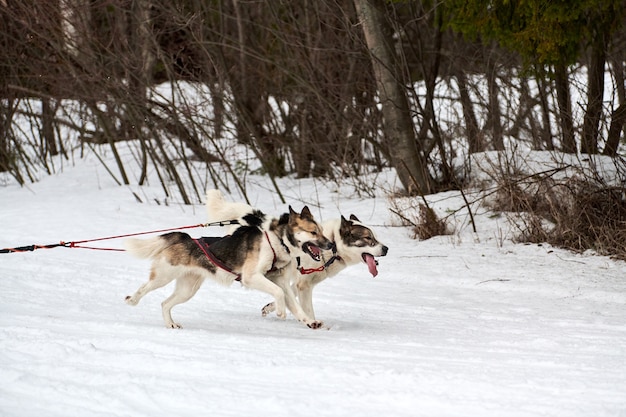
(273, 268)
(204, 246)
(307, 271)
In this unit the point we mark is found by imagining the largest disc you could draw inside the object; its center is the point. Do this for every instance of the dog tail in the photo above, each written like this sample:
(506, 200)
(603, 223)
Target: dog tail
(145, 248)
(219, 209)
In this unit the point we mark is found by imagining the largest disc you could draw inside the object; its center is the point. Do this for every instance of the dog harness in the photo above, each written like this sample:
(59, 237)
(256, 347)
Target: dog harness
(204, 244)
(307, 271)
(273, 268)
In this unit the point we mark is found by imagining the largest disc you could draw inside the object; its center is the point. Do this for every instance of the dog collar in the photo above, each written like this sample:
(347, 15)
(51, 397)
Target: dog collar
(307, 271)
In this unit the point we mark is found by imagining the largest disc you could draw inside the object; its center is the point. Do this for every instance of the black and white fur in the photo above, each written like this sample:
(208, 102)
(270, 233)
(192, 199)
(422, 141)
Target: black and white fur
(354, 243)
(258, 245)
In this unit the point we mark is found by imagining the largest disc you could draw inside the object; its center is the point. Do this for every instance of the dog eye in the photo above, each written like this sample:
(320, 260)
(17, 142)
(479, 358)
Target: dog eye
(369, 240)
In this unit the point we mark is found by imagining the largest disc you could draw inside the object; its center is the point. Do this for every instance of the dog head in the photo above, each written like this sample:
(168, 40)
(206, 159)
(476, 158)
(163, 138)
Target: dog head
(306, 234)
(356, 238)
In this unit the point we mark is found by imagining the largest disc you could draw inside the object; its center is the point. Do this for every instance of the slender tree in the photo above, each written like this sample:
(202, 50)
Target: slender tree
(399, 133)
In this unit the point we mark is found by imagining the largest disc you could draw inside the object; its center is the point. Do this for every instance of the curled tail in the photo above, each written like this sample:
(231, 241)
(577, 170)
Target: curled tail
(219, 209)
(145, 248)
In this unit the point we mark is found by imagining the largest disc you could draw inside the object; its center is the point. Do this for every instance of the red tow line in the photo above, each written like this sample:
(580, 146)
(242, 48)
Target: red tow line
(78, 243)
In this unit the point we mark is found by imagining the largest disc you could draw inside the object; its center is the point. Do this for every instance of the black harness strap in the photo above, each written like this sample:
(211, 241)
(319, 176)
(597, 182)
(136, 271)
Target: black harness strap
(30, 248)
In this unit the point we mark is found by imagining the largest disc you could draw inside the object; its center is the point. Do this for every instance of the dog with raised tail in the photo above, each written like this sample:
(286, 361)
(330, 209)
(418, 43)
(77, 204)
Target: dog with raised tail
(352, 243)
(257, 247)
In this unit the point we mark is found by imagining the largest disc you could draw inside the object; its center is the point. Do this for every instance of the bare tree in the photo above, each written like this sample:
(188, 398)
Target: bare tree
(618, 115)
(400, 137)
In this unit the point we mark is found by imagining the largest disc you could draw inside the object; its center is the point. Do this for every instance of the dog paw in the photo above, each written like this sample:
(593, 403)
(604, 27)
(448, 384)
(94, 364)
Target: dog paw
(130, 301)
(315, 324)
(267, 309)
(173, 326)
(281, 314)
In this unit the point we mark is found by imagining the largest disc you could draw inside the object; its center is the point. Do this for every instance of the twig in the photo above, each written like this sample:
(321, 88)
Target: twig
(402, 217)
(495, 279)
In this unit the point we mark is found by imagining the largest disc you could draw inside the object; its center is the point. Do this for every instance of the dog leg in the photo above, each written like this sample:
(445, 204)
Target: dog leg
(157, 280)
(305, 296)
(297, 310)
(270, 307)
(302, 308)
(259, 282)
(186, 287)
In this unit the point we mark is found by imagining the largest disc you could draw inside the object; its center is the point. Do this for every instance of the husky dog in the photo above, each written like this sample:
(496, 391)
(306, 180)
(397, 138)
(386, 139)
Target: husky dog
(353, 243)
(258, 246)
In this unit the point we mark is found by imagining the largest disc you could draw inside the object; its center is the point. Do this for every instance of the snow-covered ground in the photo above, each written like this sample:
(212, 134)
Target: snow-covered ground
(461, 325)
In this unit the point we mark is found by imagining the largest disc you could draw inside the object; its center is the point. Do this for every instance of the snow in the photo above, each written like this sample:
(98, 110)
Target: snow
(469, 324)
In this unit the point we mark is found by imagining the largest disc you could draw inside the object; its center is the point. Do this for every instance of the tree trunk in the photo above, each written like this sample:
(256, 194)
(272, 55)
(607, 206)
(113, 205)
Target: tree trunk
(495, 116)
(398, 127)
(618, 117)
(7, 110)
(595, 95)
(430, 118)
(250, 96)
(565, 108)
(47, 128)
(138, 69)
(618, 120)
(474, 137)
(546, 128)
(618, 72)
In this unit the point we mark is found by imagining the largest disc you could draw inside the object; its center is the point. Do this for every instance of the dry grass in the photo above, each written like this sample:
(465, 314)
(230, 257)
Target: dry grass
(421, 218)
(578, 214)
(572, 204)
(428, 224)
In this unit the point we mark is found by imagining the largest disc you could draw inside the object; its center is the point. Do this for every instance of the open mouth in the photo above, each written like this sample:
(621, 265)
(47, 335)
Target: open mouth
(314, 252)
(371, 263)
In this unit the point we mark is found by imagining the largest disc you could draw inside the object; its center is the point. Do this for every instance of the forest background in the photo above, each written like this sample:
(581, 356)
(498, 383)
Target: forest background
(325, 88)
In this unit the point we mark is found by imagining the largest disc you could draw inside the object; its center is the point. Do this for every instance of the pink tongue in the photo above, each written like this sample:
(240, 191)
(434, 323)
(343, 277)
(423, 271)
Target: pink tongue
(371, 264)
(314, 250)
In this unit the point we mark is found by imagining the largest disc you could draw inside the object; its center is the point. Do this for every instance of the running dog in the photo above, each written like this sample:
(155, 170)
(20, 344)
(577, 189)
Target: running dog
(259, 246)
(353, 243)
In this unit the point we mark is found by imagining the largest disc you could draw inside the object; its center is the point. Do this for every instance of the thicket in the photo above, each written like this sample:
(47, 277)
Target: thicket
(578, 206)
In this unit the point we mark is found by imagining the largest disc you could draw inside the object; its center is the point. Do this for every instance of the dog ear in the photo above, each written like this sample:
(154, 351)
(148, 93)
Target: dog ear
(344, 229)
(353, 217)
(293, 217)
(306, 213)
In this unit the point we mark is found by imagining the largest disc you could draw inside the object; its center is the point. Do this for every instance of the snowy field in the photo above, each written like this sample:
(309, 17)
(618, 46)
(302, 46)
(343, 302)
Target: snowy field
(461, 325)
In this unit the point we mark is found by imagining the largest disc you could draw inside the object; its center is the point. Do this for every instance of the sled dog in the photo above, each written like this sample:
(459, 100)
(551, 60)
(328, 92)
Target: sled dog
(352, 243)
(259, 246)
